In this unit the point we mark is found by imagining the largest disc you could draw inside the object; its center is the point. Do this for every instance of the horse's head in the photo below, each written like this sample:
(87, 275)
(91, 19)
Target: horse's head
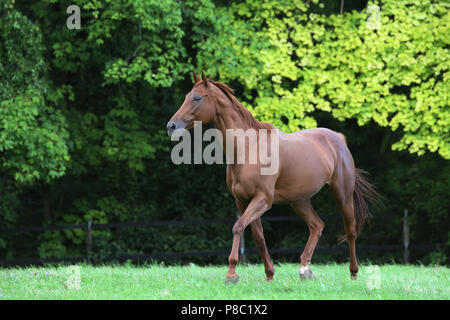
(197, 106)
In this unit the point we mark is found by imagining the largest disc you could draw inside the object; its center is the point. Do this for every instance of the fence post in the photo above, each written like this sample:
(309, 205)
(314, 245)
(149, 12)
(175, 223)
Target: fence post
(405, 237)
(89, 241)
(242, 256)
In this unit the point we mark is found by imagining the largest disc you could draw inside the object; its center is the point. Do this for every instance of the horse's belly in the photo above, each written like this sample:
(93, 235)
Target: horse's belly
(303, 175)
(297, 190)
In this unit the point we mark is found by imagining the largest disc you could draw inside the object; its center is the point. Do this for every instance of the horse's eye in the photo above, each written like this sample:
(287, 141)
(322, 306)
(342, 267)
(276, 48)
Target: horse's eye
(197, 98)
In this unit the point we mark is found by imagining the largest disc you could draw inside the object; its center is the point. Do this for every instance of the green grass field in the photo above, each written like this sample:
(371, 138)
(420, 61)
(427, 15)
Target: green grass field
(195, 282)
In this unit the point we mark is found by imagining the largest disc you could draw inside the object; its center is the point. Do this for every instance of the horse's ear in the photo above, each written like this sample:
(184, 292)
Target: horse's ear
(196, 78)
(205, 81)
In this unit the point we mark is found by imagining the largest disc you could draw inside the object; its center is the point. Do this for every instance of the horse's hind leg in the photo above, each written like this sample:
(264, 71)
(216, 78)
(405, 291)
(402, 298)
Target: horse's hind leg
(344, 199)
(315, 225)
(258, 236)
(348, 215)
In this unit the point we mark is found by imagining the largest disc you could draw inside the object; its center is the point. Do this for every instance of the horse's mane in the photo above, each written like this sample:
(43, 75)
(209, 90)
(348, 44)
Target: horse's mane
(245, 114)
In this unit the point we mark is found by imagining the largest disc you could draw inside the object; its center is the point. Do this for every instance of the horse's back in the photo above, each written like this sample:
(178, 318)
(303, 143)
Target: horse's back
(323, 141)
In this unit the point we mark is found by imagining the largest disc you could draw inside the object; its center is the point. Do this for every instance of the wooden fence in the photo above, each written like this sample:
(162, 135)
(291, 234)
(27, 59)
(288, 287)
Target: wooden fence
(89, 226)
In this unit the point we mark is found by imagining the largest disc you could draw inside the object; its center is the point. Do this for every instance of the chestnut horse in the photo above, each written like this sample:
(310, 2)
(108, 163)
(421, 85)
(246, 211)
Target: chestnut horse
(308, 159)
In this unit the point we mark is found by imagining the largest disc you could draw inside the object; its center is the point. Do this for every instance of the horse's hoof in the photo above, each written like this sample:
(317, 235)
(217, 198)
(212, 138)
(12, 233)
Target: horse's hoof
(233, 279)
(354, 276)
(269, 275)
(305, 273)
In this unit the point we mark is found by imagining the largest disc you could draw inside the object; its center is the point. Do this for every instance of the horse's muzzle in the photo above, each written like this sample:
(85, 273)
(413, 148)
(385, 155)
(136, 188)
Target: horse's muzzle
(171, 126)
(174, 125)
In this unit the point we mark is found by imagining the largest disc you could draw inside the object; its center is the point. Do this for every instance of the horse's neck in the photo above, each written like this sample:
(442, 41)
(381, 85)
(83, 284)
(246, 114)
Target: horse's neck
(230, 119)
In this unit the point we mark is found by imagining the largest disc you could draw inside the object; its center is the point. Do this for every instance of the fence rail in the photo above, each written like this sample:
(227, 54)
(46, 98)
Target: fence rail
(406, 247)
(134, 224)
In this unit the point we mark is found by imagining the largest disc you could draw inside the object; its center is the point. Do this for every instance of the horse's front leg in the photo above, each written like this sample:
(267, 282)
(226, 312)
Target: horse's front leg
(257, 206)
(258, 236)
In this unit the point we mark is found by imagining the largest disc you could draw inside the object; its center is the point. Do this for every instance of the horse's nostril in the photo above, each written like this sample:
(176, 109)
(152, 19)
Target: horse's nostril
(171, 126)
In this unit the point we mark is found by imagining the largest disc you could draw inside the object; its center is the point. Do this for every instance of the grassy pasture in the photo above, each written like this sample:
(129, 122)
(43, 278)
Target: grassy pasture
(330, 281)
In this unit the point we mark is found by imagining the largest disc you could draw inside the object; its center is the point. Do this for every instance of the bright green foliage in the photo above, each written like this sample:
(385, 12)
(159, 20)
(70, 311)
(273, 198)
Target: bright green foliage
(33, 135)
(298, 62)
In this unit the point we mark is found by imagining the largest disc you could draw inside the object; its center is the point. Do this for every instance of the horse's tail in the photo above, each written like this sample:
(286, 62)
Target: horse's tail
(364, 192)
